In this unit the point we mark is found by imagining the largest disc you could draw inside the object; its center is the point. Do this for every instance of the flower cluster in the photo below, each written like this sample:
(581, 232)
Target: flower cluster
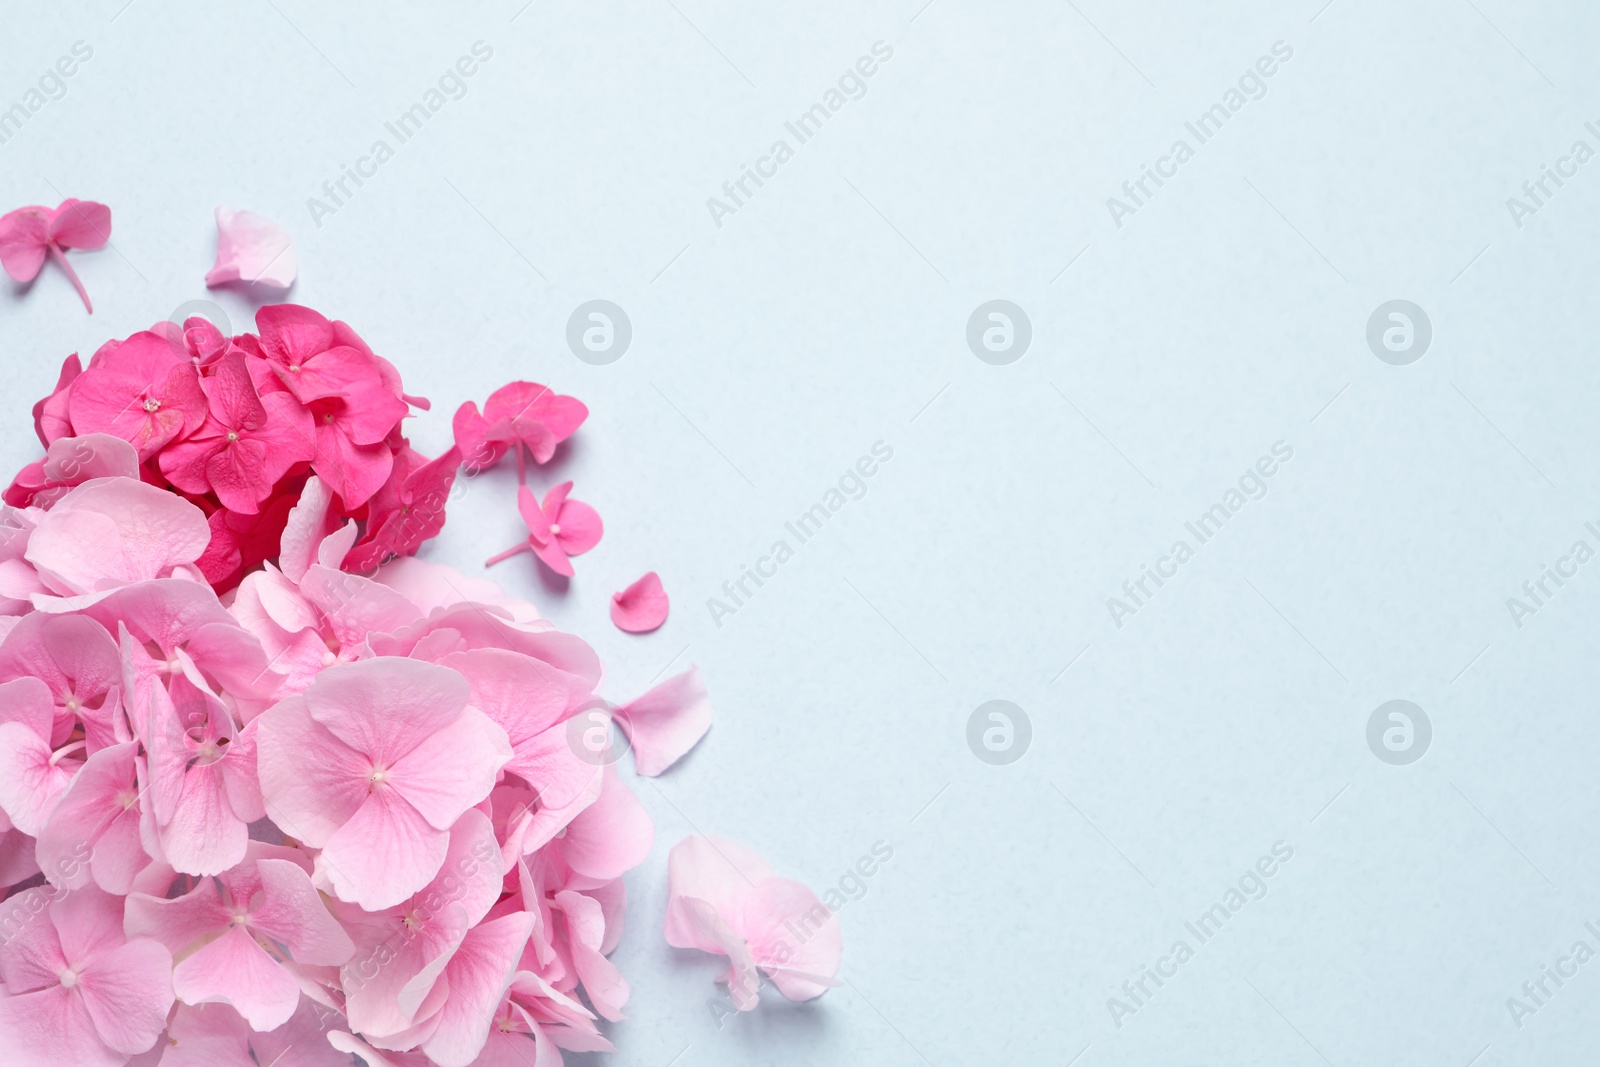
(367, 807)
(236, 425)
(275, 791)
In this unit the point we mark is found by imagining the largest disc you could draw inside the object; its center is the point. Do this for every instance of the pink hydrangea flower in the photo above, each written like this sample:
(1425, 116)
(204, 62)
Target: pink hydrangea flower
(141, 391)
(77, 989)
(558, 528)
(332, 812)
(29, 234)
(239, 934)
(203, 791)
(400, 951)
(373, 764)
(92, 832)
(246, 443)
(77, 659)
(520, 414)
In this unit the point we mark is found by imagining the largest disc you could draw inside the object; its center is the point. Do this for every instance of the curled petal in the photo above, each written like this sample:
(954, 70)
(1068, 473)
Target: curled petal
(641, 607)
(252, 249)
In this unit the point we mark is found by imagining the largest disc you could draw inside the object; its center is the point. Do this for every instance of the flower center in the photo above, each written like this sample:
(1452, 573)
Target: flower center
(555, 527)
(232, 436)
(295, 367)
(378, 776)
(151, 404)
(69, 978)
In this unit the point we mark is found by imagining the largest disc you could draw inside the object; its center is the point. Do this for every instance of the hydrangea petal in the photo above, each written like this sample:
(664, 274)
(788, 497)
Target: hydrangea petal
(235, 970)
(252, 249)
(385, 853)
(115, 530)
(666, 722)
(24, 242)
(641, 607)
(128, 992)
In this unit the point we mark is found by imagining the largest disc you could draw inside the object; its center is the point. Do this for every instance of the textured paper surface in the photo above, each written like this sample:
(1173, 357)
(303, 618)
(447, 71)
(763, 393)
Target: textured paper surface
(828, 312)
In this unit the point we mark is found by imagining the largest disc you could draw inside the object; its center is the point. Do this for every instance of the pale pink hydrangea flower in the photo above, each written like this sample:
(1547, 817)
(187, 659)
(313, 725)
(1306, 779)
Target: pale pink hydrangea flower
(240, 935)
(78, 990)
(373, 764)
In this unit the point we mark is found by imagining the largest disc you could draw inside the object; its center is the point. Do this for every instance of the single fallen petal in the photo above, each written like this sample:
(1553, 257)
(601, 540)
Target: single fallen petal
(81, 224)
(252, 249)
(641, 607)
(665, 723)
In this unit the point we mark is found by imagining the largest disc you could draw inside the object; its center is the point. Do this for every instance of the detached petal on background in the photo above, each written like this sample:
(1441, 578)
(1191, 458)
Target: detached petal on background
(81, 224)
(724, 899)
(253, 250)
(641, 607)
(665, 723)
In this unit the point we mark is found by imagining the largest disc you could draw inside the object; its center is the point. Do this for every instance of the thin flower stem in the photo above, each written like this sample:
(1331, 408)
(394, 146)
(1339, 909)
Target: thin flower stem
(60, 257)
(507, 554)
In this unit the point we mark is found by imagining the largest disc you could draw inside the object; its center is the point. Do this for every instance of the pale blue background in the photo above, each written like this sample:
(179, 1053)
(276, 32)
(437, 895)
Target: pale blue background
(770, 353)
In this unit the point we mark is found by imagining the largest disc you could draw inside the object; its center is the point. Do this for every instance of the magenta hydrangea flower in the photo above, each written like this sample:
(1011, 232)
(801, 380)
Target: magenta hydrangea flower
(518, 415)
(144, 391)
(246, 443)
(558, 528)
(29, 234)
